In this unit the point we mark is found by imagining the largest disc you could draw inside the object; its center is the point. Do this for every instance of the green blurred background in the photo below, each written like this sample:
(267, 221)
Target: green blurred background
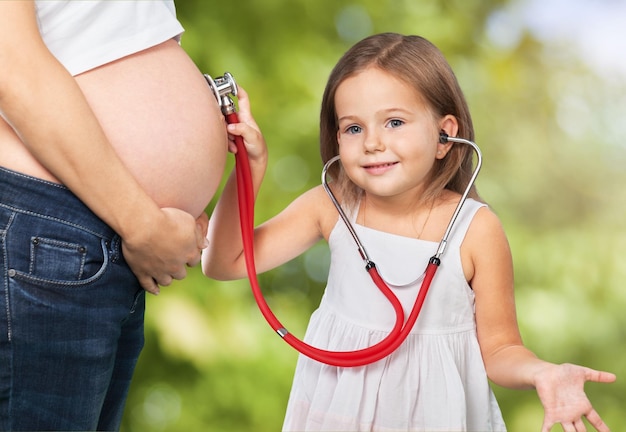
(548, 98)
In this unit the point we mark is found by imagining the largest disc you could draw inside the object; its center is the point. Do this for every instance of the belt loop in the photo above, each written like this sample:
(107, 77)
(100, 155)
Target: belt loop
(114, 246)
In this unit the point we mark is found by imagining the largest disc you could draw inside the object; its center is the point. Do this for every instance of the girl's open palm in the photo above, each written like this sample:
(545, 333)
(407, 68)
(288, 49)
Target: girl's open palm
(561, 391)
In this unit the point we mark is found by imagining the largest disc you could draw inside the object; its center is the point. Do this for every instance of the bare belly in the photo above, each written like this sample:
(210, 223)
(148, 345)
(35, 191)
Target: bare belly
(162, 120)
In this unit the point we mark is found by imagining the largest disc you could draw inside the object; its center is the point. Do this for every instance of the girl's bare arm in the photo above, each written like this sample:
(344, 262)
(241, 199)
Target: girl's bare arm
(276, 241)
(508, 362)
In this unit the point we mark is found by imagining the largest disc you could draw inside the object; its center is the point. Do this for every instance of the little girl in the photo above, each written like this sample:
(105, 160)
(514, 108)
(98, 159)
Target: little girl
(385, 105)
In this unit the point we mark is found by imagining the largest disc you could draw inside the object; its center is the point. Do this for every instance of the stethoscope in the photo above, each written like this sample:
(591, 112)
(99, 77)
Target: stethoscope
(222, 88)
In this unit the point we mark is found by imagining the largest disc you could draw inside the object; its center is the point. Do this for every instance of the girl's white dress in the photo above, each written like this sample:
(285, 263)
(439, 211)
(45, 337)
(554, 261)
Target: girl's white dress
(435, 381)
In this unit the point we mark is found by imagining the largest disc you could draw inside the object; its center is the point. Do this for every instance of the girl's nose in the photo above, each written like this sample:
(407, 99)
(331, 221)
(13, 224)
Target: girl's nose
(373, 143)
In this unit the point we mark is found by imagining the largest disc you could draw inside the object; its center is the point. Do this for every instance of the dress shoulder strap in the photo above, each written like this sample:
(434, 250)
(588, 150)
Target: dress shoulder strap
(466, 215)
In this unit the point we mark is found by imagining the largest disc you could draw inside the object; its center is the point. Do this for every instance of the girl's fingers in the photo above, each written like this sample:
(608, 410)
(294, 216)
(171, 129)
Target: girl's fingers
(579, 426)
(244, 105)
(594, 419)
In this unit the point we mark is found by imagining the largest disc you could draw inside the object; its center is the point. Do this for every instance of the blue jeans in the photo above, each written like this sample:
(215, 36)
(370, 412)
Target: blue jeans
(71, 312)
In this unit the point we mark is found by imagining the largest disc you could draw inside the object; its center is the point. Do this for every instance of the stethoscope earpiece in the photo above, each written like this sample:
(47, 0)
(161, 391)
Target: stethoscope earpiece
(443, 138)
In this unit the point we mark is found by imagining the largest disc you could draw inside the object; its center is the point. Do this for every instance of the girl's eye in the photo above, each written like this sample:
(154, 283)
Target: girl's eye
(394, 123)
(353, 129)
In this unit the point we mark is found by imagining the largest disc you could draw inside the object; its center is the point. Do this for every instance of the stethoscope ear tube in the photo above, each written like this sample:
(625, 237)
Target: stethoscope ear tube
(245, 201)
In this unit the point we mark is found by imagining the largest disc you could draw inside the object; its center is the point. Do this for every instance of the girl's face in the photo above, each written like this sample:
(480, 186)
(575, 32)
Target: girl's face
(388, 137)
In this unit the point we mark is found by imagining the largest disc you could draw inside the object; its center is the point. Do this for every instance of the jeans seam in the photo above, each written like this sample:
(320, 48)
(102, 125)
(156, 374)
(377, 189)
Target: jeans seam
(5, 259)
(50, 218)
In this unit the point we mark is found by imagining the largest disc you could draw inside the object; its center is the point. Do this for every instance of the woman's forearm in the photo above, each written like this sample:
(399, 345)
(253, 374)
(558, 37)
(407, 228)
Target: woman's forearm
(47, 110)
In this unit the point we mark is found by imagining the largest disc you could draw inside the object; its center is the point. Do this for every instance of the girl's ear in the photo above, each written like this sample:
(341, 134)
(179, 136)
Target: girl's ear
(449, 126)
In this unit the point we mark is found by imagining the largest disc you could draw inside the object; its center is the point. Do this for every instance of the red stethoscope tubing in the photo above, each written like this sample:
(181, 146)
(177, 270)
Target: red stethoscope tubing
(354, 358)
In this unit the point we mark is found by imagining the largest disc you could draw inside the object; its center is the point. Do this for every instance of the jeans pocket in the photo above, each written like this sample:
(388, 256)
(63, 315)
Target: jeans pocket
(58, 256)
(63, 259)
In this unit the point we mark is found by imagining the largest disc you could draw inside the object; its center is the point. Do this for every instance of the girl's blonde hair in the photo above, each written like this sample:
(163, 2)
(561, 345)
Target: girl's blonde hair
(420, 64)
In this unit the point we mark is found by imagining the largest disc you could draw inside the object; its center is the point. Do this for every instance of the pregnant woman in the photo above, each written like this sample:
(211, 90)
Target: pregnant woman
(111, 146)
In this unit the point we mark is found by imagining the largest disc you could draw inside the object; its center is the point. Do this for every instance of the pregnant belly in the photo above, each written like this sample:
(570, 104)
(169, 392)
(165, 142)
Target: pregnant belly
(164, 122)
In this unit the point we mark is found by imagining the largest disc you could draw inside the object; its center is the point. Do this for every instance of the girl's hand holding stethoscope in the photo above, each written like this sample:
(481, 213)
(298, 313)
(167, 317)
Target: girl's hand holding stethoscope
(248, 129)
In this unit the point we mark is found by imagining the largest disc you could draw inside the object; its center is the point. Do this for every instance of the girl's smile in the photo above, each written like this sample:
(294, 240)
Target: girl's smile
(379, 168)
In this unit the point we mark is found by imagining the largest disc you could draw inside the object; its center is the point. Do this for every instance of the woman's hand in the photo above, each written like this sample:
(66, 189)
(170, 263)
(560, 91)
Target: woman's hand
(561, 391)
(160, 251)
